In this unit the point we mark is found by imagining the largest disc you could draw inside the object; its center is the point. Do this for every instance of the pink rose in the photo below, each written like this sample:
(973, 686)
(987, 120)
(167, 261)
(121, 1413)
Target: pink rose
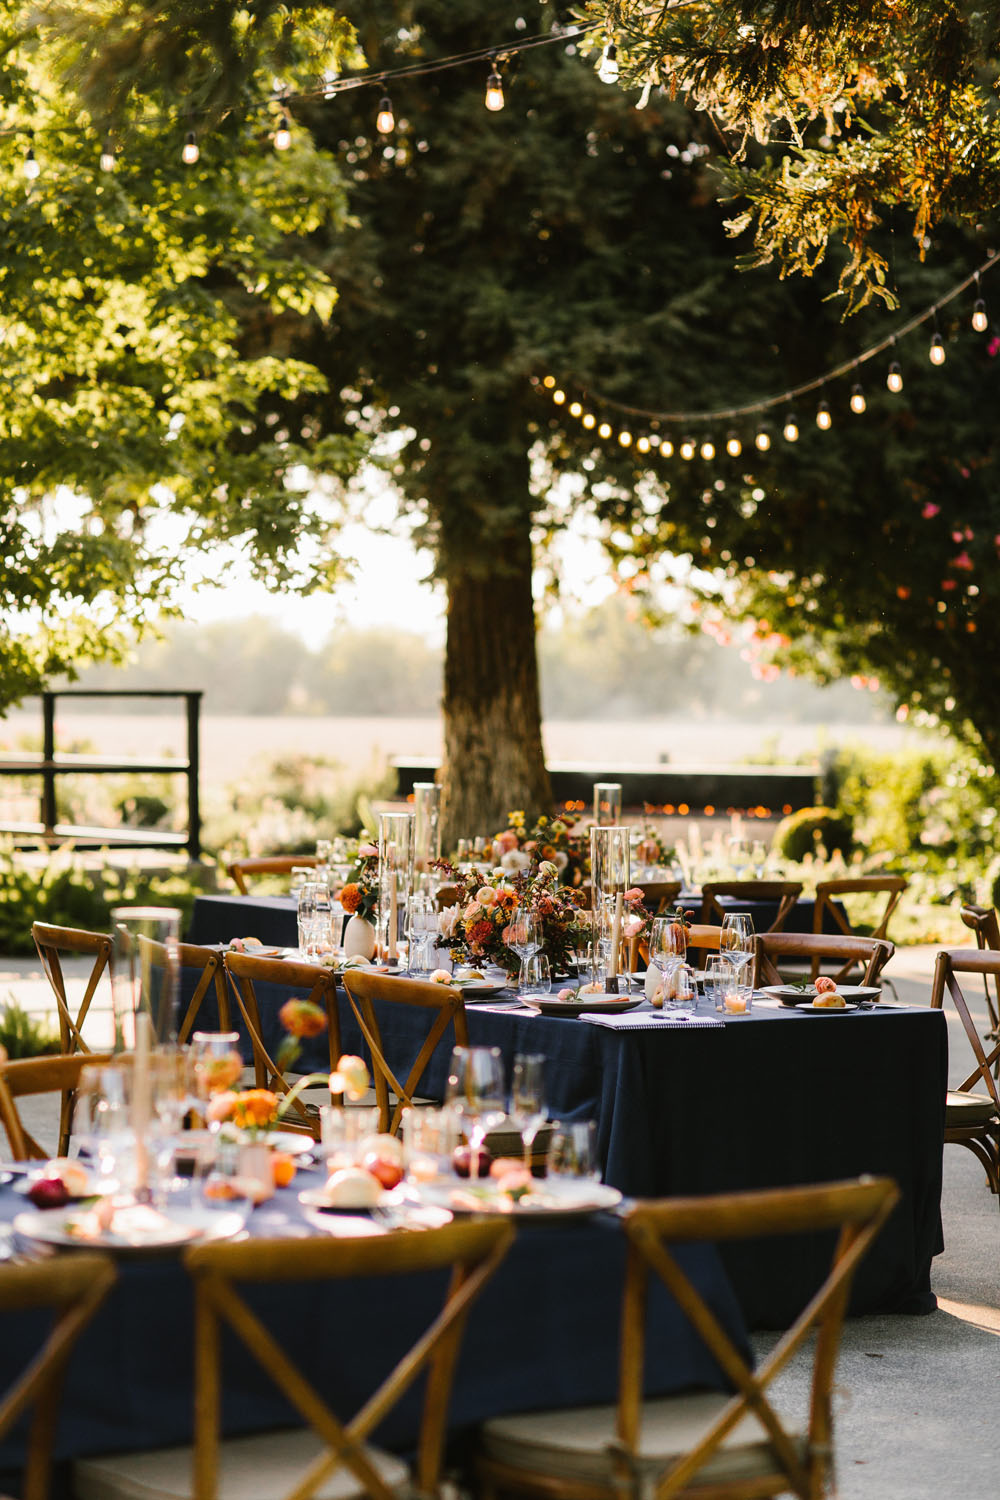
(565, 995)
(506, 841)
(367, 851)
(631, 927)
(635, 894)
(486, 895)
(472, 911)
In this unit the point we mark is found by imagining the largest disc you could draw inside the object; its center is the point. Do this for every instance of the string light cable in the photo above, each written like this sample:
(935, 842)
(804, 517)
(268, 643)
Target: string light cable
(729, 414)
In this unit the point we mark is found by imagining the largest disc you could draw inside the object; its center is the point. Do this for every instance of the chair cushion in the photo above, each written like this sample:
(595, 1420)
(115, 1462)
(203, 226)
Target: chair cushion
(968, 1109)
(262, 1467)
(574, 1444)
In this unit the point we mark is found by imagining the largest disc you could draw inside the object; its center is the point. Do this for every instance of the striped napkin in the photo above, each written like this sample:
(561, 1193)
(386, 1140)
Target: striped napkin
(650, 1020)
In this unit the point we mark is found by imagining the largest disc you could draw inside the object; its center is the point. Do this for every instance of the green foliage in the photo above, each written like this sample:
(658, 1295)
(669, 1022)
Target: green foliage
(801, 833)
(22, 1036)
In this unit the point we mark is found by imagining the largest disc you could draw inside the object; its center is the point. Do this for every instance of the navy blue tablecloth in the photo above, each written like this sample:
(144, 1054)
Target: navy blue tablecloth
(774, 1099)
(544, 1334)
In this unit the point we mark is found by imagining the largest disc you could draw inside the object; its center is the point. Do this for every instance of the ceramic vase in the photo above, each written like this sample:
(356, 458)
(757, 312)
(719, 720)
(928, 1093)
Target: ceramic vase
(359, 938)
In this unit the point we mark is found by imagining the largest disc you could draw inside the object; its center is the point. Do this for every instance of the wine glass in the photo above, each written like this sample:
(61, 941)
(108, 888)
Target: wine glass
(667, 946)
(736, 939)
(527, 1098)
(475, 1091)
(525, 937)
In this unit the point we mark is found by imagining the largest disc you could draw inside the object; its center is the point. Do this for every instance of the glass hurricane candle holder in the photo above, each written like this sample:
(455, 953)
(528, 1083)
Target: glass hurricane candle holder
(426, 826)
(607, 803)
(609, 873)
(144, 971)
(395, 878)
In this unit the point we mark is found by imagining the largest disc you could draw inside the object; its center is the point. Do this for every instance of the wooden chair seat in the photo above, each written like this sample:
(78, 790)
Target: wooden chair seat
(261, 1467)
(580, 1446)
(962, 1110)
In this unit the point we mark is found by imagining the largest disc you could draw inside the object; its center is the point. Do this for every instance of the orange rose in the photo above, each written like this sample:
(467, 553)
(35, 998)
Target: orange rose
(255, 1108)
(350, 898)
(302, 1018)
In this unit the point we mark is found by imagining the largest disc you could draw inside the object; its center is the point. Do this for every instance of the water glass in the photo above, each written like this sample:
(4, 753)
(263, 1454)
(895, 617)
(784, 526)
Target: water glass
(528, 1109)
(536, 976)
(476, 1092)
(314, 915)
(573, 1151)
(429, 1140)
(344, 1131)
(716, 976)
(736, 941)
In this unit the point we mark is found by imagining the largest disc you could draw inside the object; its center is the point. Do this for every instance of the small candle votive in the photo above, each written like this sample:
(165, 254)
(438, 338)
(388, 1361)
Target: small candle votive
(737, 1000)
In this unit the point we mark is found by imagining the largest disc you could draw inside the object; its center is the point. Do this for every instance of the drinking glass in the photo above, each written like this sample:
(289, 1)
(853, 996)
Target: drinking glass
(343, 1133)
(573, 1151)
(667, 949)
(429, 1140)
(475, 1091)
(527, 1098)
(104, 1122)
(421, 927)
(216, 1064)
(525, 937)
(536, 973)
(736, 939)
(716, 975)
(144, 970)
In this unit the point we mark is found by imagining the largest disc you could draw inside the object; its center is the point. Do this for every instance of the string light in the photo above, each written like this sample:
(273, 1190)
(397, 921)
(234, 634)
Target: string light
(980, 320)
(31, 167)
(762, 439)
(108, 155)
(494, 100)
(283, 134)
(858, 402)
(708, 449)
(607, 72)
(687, 449)
(549, 382)
(385, 120)
(190, 154)
(625, 438)
(667, 448)
(824, 421)
(559, 397)
(936, 353)
(791, 429)
(642, 444)
(604, 430)
(894, 379)
(733, 445)
(575, 409)
(589, 419)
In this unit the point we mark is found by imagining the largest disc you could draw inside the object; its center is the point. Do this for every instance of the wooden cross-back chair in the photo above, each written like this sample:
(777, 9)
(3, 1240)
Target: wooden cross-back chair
(271, 864)
(811, 949)
(295, 1464)
(41, 1075)
(207, 964)
(245, 972)
(972, 1111)
(51, 942)
(702, 1443)
(829, 911)
(73, 1286)
(446, 1009)
(658, 895)
(983, 922)
(784, 893)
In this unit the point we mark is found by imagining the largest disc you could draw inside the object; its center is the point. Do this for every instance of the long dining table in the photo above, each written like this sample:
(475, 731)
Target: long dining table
(545, 1333)
(775, 1098)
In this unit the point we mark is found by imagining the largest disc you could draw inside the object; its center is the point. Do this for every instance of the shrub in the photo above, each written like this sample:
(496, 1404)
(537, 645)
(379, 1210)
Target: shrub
(801, 832)
(20, 1036)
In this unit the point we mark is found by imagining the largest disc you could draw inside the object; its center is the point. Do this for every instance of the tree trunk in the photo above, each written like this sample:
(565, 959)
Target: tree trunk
(494, 761)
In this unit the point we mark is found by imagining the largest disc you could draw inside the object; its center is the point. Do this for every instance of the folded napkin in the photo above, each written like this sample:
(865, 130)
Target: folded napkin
(651, 1020)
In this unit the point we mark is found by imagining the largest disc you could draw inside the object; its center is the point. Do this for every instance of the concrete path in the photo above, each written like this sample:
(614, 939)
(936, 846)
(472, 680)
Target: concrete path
(916, 1397)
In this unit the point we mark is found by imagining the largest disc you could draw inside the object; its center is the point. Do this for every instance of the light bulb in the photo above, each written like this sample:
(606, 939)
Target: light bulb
(283, 135)
(549, 382)
(625, 438)
(980, 321)
(823, 418)
(858, 402)
(494, 91)
(733, 445)
(575, 409)
(936, 353)
(589, 420)
(762, 439)
(687, 449)
(559, 397)
(31, 167)
(190, 154)
(385, 120)
(791, 429)
(608, 70)
(108, 155)
(708, 449)
(894, 379)
(642, 444)
(667, 448)
(604, 430)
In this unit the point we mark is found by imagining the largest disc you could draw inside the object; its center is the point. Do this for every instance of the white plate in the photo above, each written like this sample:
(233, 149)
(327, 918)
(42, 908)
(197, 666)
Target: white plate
(292, 1142)
(554, 1198)
(145, 1229)
(257, 952)
(478, 989)
(602, 1004)
(856, 993)
(810, 1008)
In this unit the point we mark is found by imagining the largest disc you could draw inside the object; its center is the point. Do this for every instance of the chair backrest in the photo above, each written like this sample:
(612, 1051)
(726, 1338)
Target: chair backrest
(951, 962)
(41, 1075)
(657, 895)
(74, 1286)
(207, 964)
(983, 922)
(445, 1008)
(784, 893)
(829, 911)
(472, 1251)
(856, 1209)
(271, 864)
(51, 942)
(445, 895)
(773, 948)
(700, 939)
(245, 973)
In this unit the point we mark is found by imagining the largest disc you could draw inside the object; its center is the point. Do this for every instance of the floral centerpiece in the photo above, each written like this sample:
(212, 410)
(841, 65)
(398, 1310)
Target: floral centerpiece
(476, 928)
(359, 897)
(652, 849)
(522, 848)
